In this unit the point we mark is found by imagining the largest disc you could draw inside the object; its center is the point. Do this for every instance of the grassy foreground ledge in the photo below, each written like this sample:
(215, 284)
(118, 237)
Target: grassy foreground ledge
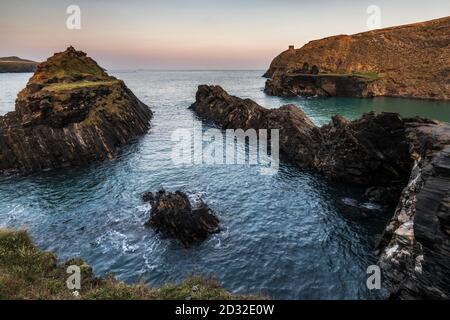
(27, 272)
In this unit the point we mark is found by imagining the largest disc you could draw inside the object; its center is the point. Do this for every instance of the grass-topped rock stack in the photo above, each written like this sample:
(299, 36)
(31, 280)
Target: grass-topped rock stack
(70, 113)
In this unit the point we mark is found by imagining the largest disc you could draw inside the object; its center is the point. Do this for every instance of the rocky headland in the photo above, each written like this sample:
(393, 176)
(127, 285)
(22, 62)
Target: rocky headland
(174, 216)
(70, 113)
(402, 162)
(16, 65)
(410, 61)
(372, 151)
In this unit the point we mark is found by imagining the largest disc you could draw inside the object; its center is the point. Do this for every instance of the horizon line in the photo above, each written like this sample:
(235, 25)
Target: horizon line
(175, 70)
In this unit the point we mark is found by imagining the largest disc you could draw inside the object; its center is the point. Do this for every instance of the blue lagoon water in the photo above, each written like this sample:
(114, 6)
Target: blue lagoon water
(288, 236)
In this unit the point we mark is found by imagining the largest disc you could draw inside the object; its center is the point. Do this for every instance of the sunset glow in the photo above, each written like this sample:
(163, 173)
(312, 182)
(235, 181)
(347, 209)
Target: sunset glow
(191, 34)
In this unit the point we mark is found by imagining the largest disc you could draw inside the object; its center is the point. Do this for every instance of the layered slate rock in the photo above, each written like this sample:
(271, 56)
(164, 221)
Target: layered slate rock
(404, 61)
(401, 161)
(415, 247)
(70, 113)
(371, 151)
(298, 135)
(174, 216)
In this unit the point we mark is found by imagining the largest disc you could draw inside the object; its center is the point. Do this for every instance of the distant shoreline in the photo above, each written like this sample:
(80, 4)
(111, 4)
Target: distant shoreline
(17, 65)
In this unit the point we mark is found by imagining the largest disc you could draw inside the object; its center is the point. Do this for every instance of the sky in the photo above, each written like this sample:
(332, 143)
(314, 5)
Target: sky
(192, 34)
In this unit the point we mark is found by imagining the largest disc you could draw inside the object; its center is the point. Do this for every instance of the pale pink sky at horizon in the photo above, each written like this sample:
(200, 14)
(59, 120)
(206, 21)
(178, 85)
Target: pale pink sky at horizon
(196, 34)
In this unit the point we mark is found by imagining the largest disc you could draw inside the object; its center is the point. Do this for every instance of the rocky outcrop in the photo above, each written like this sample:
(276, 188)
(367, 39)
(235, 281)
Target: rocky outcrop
(401, 161)
(371, 151)
(405, 61)
(16, 65)
(70, 113)
(323, 85)
(298, 135)
(415, 247)
(173, 215)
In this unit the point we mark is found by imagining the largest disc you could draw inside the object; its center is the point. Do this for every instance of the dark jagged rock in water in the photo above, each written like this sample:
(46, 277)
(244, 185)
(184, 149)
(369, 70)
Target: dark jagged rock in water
(70, 113)
(173, 215)
(298, 134)
(371, 151)
(408, 61)
(401, 161)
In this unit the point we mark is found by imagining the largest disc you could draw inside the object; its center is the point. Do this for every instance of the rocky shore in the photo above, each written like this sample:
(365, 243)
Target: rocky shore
(408, 61)
(70, 113)
(415, 247)
(322, 85)
(403, 162)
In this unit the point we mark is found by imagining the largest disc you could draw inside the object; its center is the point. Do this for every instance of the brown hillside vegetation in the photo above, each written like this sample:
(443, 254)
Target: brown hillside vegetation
(405, 61)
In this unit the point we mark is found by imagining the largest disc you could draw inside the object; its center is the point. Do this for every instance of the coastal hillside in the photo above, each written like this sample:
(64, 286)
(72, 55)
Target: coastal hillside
(405, 61)
(16, 64)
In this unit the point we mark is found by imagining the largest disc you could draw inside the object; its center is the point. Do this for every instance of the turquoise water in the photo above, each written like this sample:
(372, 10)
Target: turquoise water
(292, 235)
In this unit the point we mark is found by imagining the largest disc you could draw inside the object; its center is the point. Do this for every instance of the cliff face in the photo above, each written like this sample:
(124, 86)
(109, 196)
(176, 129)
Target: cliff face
(70, 113)
(405, 61)
(415, 247)
(323, 85)
(401, 161)
(15, 65)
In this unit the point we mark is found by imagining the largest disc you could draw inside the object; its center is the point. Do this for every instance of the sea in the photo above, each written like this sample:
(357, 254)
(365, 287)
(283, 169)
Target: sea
(292, 234)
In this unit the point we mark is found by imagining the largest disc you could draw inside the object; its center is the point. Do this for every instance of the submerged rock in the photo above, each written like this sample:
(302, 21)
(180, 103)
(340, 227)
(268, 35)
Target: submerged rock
(173, 215)
(401, 161)
(70, 113)
(355, 208)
